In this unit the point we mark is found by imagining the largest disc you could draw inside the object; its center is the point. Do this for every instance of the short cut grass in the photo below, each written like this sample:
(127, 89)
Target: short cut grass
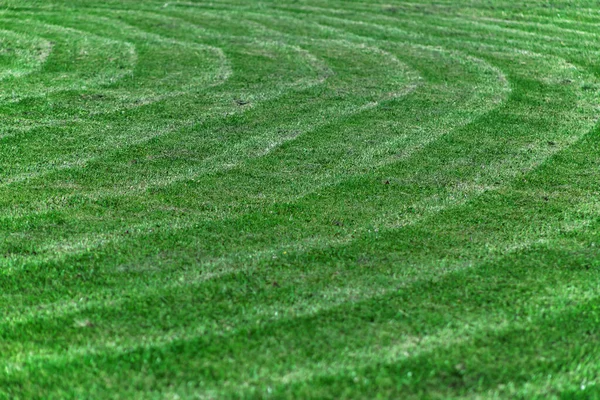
(303, 199)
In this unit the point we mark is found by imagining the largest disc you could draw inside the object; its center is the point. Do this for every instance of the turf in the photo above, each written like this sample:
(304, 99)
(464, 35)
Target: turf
(299, 199)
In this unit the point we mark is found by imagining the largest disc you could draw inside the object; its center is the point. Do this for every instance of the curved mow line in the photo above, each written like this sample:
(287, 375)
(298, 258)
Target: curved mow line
(440, 50)
(161, 38)
(85, 245)
(64, 165)
(567, 15)
(223, 268)
(531, 53)
(217, 268)
(543, 25)
(476, 191)
(455, 29)
(55, 90)
(537, 165)
(88, 243)
(226, 73)
(411, 85)
(128, 45)
(477, 46)
(476, 60)
(345, 33)
(391, 19)
(521, 245)
(106, 193)
(209, 34)
(444, 339)
(266, 30)
(503, 49)
(181, 125)
(361, 109)
(522, 32)
(273, 317)
(269, 253)
(414, 347)
(46, 50)
(80, 162)
(159, 344)
(326, 71)
(502, 76)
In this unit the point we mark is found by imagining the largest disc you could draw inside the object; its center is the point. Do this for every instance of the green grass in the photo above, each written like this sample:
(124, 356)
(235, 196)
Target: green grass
(299, 199)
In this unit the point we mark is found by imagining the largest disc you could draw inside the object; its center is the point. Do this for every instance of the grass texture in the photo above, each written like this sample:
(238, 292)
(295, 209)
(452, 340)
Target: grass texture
(299, 199)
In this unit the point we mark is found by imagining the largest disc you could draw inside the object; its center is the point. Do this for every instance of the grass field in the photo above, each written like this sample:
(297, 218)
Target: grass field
(308, 199)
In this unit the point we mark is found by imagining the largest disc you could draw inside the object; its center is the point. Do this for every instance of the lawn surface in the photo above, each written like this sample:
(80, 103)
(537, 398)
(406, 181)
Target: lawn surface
(312, 198)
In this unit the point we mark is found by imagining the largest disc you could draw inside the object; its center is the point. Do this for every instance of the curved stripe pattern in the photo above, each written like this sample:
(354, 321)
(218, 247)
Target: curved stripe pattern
(319, 199)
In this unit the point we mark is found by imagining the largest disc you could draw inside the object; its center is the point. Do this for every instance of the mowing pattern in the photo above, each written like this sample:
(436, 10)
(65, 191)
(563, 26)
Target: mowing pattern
(312, 198)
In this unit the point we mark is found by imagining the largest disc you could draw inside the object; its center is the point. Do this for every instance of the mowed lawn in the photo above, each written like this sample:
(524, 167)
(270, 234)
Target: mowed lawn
(299, 199)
